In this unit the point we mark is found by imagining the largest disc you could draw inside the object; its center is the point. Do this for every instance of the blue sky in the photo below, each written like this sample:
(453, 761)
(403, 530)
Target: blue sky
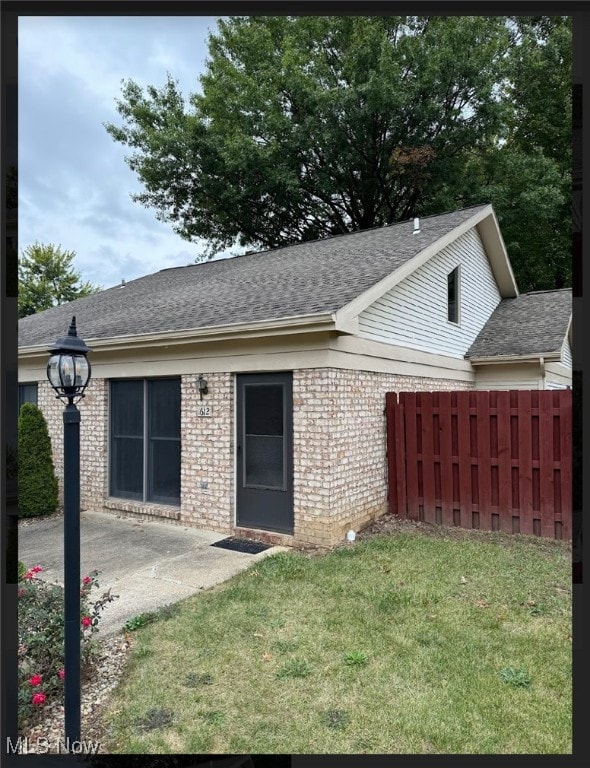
(74, 185)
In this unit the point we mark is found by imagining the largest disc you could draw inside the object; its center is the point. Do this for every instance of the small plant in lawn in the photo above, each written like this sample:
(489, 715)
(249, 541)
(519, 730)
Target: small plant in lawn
(141, 620)
(518, 678)
(294, 668)
(213, 717)
(195, 679)
(156, 718)
(356, 659)
(285, 646)
(41, 638)
(335, 718)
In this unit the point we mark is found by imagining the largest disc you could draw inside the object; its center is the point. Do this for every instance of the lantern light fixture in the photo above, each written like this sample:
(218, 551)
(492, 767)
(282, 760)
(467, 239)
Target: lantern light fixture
(203, 387)
(68, 369)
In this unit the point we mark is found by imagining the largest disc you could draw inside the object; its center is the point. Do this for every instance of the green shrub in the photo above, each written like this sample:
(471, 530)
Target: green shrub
(37, 483)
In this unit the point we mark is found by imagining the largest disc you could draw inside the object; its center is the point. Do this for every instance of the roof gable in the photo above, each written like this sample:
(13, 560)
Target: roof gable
(482, 217)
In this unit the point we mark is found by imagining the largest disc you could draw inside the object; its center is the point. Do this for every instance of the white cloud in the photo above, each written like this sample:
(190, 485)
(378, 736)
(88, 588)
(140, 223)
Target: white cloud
(74, 186)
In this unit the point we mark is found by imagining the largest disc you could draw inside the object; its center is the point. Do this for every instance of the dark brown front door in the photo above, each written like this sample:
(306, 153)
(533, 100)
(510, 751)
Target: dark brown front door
(264, 451)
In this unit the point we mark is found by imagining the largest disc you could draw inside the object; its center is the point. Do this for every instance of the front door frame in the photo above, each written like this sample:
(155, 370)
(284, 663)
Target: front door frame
(286, 524)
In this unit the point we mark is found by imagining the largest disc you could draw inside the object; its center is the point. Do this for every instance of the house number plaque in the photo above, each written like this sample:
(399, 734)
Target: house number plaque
(204, 410)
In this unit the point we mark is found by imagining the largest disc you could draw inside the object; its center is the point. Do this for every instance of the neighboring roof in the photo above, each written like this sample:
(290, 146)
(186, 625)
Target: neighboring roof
(311, 278)
(532, 324)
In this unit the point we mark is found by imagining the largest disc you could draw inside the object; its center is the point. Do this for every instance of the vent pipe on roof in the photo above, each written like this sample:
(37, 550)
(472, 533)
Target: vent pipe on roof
(416, 226)
(122, 283)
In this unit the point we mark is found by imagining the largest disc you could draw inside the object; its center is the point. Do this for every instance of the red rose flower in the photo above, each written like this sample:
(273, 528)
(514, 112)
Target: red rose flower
(39, 699)
(86, 621)
(35, 680)
(86, 580)
(62, 674)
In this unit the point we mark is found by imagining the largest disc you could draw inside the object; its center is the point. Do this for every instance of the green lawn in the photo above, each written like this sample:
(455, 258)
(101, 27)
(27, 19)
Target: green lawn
(410, 643)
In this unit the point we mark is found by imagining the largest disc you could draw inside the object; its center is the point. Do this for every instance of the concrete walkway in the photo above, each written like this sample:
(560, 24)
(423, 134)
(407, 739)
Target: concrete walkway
(148, 564)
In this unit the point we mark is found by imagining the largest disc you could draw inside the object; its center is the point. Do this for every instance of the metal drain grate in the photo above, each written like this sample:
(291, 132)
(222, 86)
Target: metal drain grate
(242, 545)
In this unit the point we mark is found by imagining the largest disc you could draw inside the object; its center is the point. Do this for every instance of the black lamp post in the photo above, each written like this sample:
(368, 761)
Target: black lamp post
(68, 371)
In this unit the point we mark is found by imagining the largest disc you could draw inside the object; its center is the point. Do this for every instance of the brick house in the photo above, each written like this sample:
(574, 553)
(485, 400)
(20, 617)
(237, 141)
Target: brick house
(246, 395)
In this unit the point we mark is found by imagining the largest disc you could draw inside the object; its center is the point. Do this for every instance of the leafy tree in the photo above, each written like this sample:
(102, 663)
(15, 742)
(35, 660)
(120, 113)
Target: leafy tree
(313, 126)
(527, 175)
(46, 278)
(37, 483)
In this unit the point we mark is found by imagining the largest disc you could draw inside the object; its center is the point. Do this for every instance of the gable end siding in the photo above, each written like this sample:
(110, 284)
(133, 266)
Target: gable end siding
(414, 312)
(566, 354)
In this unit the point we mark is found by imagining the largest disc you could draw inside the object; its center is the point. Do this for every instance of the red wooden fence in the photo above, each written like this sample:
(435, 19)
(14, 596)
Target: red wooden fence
(490, 460)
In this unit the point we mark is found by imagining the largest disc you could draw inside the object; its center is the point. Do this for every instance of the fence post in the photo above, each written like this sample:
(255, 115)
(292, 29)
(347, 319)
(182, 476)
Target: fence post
(391, 427)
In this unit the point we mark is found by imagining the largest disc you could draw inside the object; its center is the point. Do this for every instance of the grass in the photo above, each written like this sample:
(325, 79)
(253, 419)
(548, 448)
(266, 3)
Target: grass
(409, 643)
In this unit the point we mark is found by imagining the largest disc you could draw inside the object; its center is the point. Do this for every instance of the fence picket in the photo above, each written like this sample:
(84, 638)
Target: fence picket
(482, 400)
(428, 501)
(504, 462)
(465, 493)
(546, 494)
(409, 401)
(446, 457)
(565, 466)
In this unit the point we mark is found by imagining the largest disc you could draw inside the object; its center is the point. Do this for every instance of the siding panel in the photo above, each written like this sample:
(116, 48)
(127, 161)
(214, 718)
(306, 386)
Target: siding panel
(414, 312)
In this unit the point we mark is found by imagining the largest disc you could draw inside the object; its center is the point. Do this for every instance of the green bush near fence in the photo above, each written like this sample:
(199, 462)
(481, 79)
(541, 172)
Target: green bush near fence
(37, 483)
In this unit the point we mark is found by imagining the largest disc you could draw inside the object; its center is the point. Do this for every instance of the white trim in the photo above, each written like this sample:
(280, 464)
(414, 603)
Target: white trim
(500, 359)
(287, 325)
(339, 356)
(356, 362)
(384, 350)
(491, 235)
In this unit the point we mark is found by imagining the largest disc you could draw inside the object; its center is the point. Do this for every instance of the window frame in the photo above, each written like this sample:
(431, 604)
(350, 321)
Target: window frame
(21, 390)
(455, 275)
(147, 495)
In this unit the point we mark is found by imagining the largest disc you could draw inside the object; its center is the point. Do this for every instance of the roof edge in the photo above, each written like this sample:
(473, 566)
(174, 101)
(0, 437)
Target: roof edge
(526, 358)
(278, 327)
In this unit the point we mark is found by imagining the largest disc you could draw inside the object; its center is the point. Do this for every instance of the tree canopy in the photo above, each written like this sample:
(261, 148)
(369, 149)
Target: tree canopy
(47, 278)
(311, 126)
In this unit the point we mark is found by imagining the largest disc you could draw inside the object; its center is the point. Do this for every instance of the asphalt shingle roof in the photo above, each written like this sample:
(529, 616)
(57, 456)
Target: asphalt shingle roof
(298, 280)
(532, 323)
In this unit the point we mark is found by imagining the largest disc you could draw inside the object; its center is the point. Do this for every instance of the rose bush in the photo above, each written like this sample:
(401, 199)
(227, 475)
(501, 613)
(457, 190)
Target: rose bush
(41, 638)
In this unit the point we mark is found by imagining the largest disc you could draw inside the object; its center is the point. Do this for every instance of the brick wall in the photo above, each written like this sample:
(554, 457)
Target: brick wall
(93, 438)
(340, 475)
(206, 475)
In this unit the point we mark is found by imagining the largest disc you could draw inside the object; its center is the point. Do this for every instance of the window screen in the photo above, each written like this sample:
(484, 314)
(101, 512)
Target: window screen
(145, 440)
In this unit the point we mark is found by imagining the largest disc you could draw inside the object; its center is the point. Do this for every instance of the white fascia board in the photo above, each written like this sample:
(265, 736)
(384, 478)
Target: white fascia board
(409, 355)
(487, 226)
(282, 327)
(500, 359)
(491, 235)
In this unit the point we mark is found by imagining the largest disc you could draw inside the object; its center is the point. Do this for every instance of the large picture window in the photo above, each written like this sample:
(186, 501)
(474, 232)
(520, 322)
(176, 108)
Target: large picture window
(145, 440)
